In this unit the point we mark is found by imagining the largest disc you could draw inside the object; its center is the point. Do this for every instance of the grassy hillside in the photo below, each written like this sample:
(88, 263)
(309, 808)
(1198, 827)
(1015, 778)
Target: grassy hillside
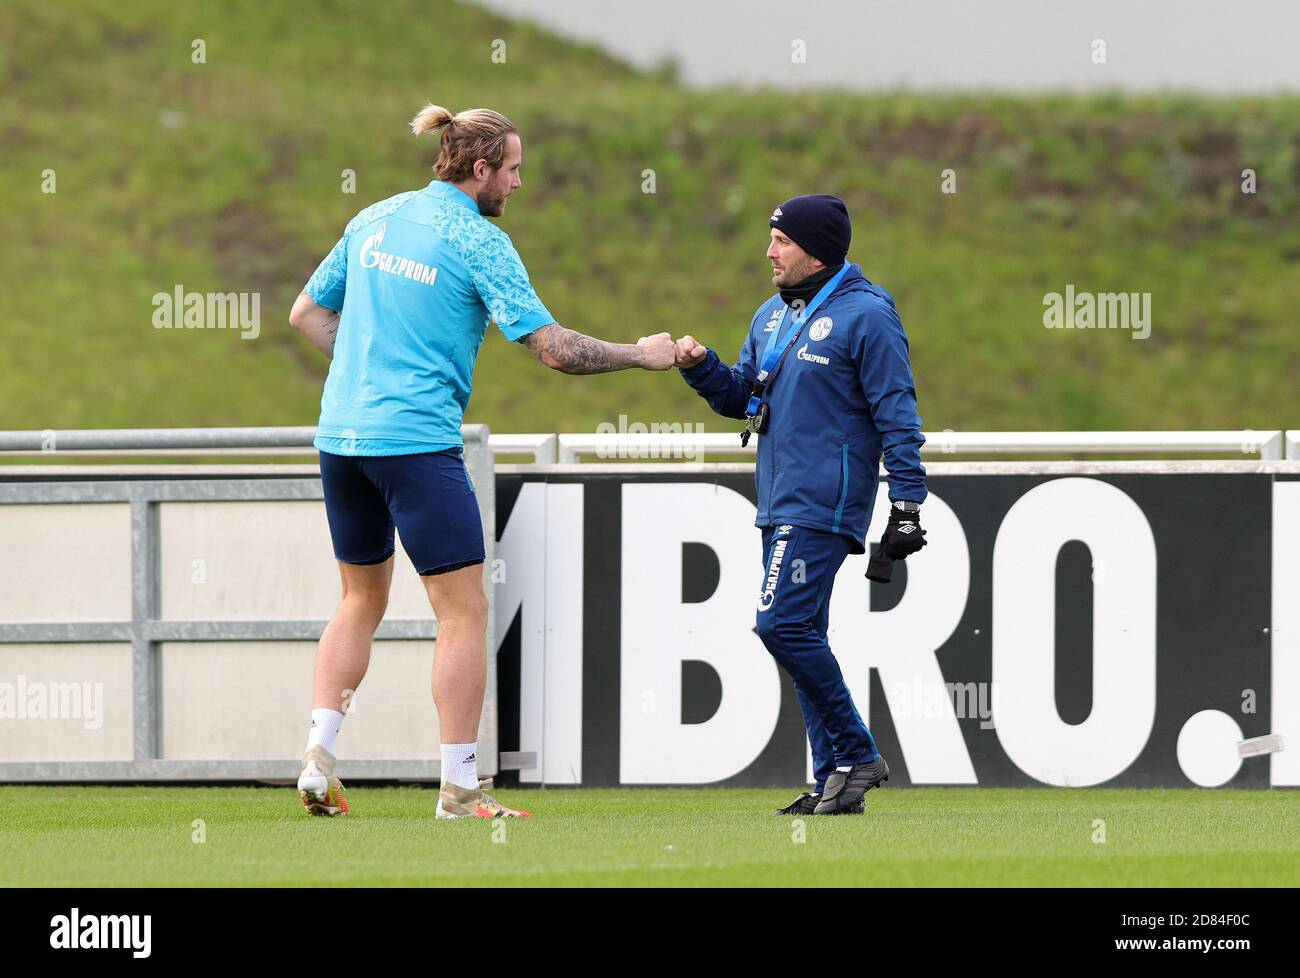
(226, 176)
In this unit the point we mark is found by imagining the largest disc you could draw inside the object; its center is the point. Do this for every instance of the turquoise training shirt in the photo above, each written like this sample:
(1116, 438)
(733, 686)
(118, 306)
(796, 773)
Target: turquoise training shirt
(416, 279)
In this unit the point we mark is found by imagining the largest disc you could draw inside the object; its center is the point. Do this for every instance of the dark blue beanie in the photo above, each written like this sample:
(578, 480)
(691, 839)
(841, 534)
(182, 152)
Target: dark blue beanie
(817, 223)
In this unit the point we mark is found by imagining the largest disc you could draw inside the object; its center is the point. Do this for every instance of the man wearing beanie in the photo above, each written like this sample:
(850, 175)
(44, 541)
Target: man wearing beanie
(824, 382)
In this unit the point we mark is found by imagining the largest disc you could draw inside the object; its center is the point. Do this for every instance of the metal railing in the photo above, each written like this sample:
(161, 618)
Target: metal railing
(1264, 444)
(547, 448)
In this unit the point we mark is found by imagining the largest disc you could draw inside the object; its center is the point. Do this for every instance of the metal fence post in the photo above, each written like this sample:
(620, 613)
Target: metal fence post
(480, 462)
(144, 608)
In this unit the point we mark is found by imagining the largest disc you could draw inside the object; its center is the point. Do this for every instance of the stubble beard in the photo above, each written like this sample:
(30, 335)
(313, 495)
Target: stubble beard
(491, 203)
(792, 275)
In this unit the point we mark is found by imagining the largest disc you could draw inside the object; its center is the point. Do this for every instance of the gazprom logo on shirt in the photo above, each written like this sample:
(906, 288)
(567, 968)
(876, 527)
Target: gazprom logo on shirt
(372, 257)
(803, 354)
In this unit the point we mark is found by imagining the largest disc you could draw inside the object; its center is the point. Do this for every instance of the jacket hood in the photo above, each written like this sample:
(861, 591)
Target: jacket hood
(855, 281)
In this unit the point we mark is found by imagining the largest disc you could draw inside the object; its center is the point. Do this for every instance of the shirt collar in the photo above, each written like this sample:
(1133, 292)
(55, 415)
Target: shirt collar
(447, 191)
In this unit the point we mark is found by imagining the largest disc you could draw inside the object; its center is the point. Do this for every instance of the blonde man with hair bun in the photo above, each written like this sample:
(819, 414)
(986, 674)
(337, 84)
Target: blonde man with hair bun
(401, 306)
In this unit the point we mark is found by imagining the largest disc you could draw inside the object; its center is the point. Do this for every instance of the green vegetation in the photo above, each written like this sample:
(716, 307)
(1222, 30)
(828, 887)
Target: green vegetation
(225, 176)
(144, 836)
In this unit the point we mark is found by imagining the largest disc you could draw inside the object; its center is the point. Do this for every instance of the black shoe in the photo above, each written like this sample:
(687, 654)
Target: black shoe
(845, 789)
(803, 805)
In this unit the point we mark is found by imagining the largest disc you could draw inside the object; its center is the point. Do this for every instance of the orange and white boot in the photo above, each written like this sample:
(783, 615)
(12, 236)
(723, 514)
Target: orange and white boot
(457, 802)
(321, 792)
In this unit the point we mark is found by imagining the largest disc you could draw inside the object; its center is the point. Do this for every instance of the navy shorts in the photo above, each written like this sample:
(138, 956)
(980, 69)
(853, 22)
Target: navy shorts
(427, 497)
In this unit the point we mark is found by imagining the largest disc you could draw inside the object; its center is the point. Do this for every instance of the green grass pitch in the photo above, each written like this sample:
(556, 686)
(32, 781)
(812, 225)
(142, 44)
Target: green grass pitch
(260, 836)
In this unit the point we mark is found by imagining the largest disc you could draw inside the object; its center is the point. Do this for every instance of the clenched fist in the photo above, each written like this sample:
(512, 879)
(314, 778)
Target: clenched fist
(660, 353)
(688, 352)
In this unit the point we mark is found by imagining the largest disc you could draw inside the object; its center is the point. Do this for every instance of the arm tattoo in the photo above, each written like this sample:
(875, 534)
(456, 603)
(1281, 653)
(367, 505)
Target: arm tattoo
(329, 328)
(574, 353)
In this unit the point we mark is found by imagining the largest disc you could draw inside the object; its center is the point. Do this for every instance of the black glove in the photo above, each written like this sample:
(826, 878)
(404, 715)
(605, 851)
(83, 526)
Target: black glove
(880, 568)
(903, 535)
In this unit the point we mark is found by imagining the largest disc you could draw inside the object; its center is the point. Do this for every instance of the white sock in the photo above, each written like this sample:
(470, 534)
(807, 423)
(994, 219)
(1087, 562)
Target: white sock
(460, 765)
(324, 731)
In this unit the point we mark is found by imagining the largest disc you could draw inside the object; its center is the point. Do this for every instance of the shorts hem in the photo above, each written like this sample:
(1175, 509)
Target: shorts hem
(365, 563)
(448, 568)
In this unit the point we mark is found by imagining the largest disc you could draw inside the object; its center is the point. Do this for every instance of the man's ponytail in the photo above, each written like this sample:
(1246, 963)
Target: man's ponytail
(430, 118)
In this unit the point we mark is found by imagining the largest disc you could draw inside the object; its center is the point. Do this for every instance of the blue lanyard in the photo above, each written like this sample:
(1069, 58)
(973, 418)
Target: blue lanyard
(770, 352)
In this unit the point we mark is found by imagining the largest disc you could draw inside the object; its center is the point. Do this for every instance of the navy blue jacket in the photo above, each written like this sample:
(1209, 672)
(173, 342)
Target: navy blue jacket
(836, 404)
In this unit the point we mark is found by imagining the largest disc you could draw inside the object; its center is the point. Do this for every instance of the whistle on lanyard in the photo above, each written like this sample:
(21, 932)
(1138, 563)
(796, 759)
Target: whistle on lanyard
(755, 423)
